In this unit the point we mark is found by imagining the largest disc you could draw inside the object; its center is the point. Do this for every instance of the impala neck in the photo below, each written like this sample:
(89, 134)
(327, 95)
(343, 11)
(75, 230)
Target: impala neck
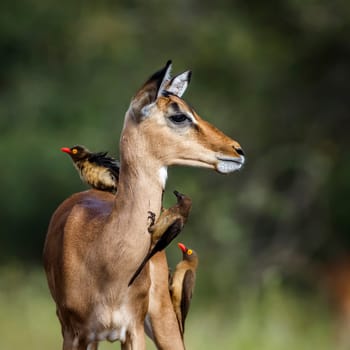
(142, 177)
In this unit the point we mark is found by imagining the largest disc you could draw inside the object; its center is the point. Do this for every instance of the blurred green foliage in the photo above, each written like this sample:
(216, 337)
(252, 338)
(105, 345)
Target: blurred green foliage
(274, 76)
(272, 320)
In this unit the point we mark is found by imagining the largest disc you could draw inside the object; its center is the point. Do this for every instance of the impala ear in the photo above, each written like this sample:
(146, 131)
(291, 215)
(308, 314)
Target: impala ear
(149, 92)
(179, 83)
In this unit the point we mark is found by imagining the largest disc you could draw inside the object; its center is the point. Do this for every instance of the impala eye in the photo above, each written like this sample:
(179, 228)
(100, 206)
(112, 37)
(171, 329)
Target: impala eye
(179, 118)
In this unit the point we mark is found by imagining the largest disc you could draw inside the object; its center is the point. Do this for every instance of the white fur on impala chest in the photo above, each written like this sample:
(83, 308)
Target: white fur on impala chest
(111, 326)
(163, 175)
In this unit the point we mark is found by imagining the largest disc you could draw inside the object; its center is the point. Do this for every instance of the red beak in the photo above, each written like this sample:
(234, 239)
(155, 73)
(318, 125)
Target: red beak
(66, 150)
(182, 247)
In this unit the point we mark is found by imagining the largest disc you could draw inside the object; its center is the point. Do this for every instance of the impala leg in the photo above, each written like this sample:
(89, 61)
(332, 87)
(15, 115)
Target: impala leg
(165, 329)
(136, 341)
(139, 340)
(69, 341)
(93, 346)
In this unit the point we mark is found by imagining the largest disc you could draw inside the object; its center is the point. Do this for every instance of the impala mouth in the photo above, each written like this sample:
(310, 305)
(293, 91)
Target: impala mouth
(227, 165)
(195, 163)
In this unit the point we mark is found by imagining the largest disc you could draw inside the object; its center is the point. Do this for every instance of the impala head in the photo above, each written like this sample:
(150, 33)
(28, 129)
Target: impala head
(171, 132)
(77, 152)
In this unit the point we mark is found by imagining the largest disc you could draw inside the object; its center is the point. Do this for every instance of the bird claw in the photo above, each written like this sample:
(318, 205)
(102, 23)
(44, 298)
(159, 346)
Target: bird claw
(151, 217)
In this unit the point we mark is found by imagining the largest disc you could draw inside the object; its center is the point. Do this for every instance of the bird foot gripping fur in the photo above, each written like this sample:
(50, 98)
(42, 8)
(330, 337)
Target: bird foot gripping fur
(151, 218)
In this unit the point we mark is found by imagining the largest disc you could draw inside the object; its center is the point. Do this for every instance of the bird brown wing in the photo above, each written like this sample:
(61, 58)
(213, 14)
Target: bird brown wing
(102, 159)
(172, 231)
(187, 288)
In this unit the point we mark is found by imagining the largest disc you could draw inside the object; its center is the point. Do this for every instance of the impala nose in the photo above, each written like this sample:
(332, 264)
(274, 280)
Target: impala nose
(239, 150)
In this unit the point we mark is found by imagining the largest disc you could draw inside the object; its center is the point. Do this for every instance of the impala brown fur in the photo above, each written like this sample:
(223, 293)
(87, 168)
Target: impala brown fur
(96, 240)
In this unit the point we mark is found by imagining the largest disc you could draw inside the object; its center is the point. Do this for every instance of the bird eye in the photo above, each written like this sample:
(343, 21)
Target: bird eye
(189, 251)
(179, 118)
(74, 151)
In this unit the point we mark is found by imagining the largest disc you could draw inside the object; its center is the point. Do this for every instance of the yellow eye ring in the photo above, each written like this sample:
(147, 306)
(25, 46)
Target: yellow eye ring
(189, 252)
(74, 151)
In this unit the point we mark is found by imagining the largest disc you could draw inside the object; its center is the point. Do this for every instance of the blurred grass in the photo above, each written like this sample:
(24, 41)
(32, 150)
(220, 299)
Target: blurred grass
(273, 318)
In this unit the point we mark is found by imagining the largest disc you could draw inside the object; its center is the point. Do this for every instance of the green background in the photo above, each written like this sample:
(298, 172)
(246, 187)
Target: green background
(273, 239)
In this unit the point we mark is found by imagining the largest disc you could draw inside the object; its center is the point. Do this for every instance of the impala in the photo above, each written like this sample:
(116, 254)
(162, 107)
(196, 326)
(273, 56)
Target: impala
(96, 240)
